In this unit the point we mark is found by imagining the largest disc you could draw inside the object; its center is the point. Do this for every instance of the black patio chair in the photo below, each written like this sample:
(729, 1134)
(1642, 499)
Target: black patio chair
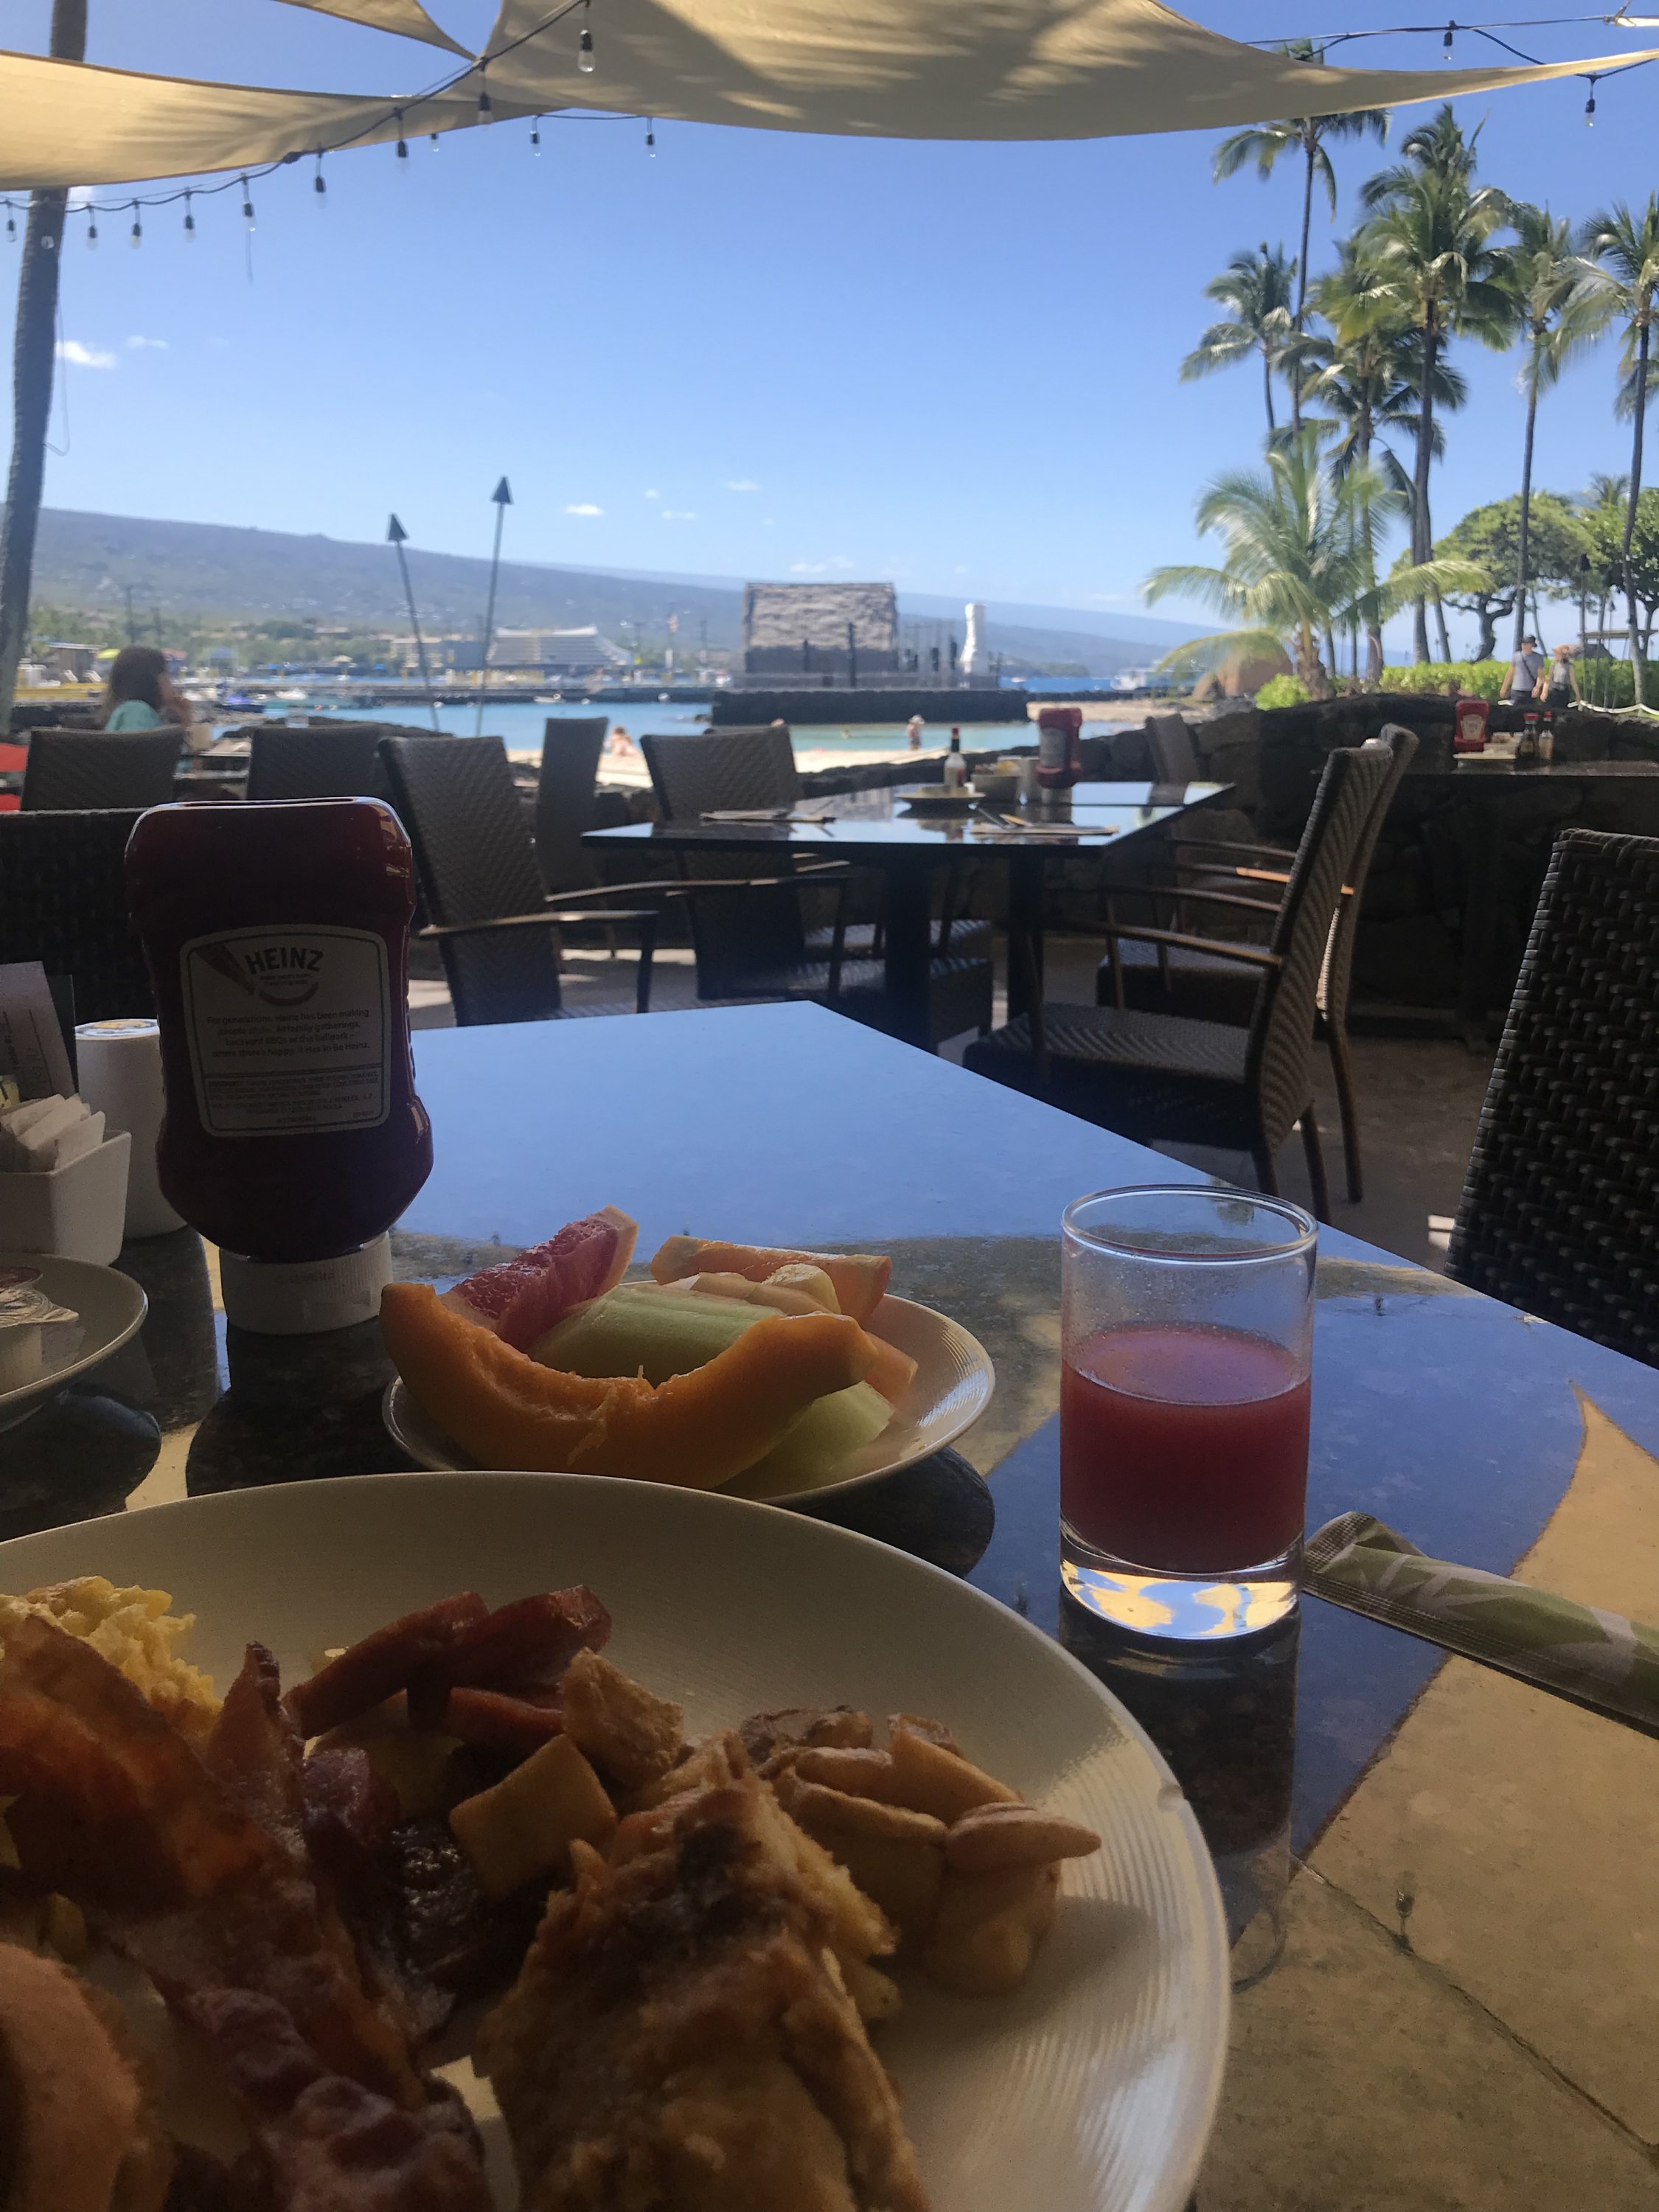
(496, 928)
(63, 903)
(1175, 756)
(341, 762)
(89, 770)
(1561, 1207)
(1167, 1076)
(1167, 980)
(565, 794)
(760, 944)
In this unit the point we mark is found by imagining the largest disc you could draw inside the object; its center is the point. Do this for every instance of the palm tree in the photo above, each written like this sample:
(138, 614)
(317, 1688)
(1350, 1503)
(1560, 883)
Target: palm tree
(1558, 314)
(1622, 256)
(1307, 135)
(1437, 272)
(1300, 559)
(1257, 287)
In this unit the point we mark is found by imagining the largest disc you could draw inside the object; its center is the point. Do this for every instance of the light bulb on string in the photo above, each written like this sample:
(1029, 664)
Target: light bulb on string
(190, 223)
(484, 108)
(1590, 107)
(651, 138)
(536, 137)
(402, 144)
(136, 235)
(12, 224)
(584, 45)
(434, 142)
(1446, 43)
(247, 204)
(92, 230)
(319, 185)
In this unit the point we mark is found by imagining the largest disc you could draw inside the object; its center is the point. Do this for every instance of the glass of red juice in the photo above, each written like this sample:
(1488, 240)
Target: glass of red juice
(1187, 1342)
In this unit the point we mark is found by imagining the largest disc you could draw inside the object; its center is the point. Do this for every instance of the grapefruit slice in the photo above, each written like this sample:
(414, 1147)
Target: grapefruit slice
(699, 1430)
(860, 1278)
(522, 1298)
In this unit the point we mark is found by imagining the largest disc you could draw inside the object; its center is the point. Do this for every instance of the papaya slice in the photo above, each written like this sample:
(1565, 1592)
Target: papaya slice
(860, 1278)
(699, 1430)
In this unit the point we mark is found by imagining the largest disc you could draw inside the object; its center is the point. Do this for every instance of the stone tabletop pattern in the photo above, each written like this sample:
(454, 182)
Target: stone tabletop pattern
(1483, 2050)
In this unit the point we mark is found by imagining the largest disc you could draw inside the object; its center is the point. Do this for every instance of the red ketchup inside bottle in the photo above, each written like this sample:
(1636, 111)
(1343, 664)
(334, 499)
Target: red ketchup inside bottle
(278, 940)
(1059, 747)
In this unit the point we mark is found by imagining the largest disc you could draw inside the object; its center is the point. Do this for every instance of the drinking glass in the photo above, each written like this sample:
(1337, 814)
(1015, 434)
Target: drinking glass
(1187, 1340)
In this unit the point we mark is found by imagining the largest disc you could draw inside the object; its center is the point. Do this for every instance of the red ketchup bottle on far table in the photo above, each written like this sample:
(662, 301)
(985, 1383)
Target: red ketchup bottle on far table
(278, 940)
(1059, 747)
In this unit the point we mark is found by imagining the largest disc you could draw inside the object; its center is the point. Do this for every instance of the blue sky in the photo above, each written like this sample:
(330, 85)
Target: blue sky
(756, 354)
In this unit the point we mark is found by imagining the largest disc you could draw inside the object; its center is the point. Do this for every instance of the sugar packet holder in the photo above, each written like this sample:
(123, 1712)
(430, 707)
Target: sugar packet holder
(63, 1182)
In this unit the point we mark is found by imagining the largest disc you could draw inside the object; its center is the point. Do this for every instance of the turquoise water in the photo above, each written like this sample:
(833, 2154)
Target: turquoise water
(520, 725)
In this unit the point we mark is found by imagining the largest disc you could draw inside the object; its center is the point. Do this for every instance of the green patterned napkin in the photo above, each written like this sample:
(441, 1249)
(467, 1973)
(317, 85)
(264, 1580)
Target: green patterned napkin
(1597, 1659)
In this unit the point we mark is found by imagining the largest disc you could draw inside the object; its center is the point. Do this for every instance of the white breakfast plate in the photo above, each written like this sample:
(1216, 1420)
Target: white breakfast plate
(951, 1388)
(109, 1308)
(1093, 2087)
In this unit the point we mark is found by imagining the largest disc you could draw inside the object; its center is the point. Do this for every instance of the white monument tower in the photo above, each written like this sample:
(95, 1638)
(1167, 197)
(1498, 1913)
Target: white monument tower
(974, 666)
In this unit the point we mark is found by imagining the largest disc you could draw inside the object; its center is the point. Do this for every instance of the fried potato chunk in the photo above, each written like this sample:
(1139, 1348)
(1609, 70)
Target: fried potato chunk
(929, 1779)
(525, 1825)
(987, 1928)
(895, 1856)
(628, 1733)
(992, 1837)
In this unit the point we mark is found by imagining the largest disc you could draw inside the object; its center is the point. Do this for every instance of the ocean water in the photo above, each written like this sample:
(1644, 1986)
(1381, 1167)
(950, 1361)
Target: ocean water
(519, 724)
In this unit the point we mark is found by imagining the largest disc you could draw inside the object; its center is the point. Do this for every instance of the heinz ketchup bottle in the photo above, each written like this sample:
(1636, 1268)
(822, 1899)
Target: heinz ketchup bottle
(278, 940)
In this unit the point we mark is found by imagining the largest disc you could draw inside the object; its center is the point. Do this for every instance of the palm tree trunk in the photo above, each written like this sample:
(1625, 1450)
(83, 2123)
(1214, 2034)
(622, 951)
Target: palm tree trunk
(1422, 549)
(1310, 149)
(1373, 628)
(1526, 504)
(1440, 627)
(1267, 387)
(32, 361)
(1630, 510)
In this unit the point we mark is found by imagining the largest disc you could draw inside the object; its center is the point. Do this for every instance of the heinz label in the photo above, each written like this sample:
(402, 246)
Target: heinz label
(289, 1029)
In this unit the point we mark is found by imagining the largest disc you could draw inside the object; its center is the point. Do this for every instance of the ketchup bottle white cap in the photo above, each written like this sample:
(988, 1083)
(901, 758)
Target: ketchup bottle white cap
(297, 1297)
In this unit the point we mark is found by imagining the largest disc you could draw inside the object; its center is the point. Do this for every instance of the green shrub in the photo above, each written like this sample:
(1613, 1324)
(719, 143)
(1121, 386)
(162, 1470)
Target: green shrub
(1608, 684)
(1479, 679)
(1282, 691)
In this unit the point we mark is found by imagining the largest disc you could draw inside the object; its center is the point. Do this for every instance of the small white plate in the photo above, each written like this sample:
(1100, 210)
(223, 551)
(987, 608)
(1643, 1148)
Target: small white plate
(110, 1308)
(1091, 2089)
(950, 1390)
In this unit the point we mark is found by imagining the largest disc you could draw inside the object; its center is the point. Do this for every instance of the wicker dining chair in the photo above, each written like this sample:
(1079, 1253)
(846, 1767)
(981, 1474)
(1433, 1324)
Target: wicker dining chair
(1168, 980)
(1561, 1206)
(566, 792)
(63, 903)
(339, 762)
(1154, 1076)
(763, 945)
(93, 770)
(495, 929)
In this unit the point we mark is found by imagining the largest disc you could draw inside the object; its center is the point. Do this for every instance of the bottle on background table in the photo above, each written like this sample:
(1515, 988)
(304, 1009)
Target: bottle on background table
(956, 768)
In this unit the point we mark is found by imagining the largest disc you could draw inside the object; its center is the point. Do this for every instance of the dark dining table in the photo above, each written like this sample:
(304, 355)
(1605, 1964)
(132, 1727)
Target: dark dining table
(1440, 1881)
(881, 829)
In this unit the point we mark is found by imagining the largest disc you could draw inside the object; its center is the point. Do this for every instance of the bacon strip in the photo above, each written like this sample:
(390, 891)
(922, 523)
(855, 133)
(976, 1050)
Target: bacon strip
(491, 1717)
(379, 1665)
(522, 1647)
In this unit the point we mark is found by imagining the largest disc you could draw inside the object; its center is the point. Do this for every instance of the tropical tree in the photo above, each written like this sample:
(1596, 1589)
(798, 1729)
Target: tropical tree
(1437, 272)
(1300, 562)
(1629, 549)
(1257, 287)
(1489, 537)
(1307, 136)
(1558, 315)
(1621, 252)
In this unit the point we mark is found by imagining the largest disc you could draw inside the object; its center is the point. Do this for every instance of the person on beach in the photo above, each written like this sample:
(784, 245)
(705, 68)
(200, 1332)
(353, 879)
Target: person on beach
(140, 695)
(1560, 688)
(1525, 670)
(619, 744)
(913, 730)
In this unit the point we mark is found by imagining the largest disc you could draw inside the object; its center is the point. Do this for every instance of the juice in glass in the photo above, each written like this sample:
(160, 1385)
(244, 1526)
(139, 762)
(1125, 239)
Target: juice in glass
(1186, 1359)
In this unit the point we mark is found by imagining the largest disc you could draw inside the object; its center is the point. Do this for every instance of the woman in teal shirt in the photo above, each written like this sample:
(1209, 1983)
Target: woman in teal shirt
(141, 695)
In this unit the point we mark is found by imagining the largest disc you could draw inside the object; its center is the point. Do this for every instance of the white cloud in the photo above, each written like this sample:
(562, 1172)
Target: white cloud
(819, 567)
(678, 514)
(742, 483)
(83, 356)
(148, 345)
(654, 495)
(585, 506)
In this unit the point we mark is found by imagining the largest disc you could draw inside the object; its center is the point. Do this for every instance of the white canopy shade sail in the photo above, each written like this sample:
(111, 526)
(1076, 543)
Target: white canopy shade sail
(404, 17)
(893, 68)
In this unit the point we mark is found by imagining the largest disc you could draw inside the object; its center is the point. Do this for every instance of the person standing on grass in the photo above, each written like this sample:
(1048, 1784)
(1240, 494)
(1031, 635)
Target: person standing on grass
(1525, 670)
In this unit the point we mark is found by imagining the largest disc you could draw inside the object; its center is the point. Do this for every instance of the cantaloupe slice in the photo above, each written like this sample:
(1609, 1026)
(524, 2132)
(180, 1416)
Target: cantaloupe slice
(699, 1430)
(860, 1278)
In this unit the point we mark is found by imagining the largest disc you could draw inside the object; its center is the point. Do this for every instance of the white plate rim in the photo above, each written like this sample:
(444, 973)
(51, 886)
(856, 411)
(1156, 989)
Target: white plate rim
(1170, 2190)
(21, 1395)
(411, 1436)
